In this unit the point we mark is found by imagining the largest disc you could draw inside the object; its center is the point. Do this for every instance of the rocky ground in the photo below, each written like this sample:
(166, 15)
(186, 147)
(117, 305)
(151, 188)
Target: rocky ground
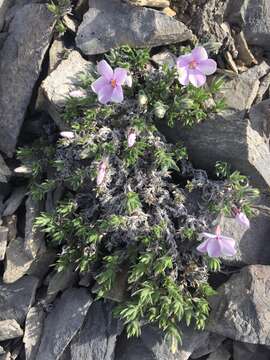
(45, 315)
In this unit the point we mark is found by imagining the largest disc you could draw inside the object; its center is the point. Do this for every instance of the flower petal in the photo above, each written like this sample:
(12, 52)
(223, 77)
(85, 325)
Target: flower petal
(99, 84)
(208, 235)
(196, 78)
(199, 54)
(242, 219)
(117, 94)
(203, 246)
(105, 94)
(228, 247)
(183, 76)
(207, 67)
(214, 248)
(184, 60)
(120, 75)
(105, 70)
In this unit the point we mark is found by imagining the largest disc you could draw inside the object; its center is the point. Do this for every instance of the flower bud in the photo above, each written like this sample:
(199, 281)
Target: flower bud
(142, 98)
(67, 134)
(128, 80)
(186, 103)
(160, 110)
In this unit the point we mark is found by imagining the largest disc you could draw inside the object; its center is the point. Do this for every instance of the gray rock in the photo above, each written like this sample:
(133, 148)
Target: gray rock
(164, 57)
(10, 329)
(14, 201)
(254, 18)
(21, 58)
(33, 331)
(250, 351)
(152, 346)
(56, 54)
(232, 137)
(11, 223)
(62, 324)
(17, 298)
(97, 338)
(252, 244)
(2, 351)
(220, 354)
(6, 356)
(34, 243)
(151, 3)
(241, 310)
(60, 281)
(3, 241)
(17, 263)
(4, 5)
(210, 345)
(57, 86)
(4, 170)
(101, 29)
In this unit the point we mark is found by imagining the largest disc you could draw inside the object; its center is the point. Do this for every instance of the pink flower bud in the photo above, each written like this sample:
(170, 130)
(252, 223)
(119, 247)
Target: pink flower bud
(131, 138)
(101, 172)
(242, 219)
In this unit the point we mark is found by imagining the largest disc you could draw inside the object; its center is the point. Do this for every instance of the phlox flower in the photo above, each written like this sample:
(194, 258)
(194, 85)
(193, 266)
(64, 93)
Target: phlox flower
(131, 138)
(217, 245)
(241, 217)
(108, 87)
(102, 168)
(194, 67)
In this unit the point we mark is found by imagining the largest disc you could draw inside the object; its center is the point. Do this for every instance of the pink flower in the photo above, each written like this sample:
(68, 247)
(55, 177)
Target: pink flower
(78, 93)
(193, 67)
(109, 86)
(217, 245)
(131, 138)
(241, 218)
(101, 172)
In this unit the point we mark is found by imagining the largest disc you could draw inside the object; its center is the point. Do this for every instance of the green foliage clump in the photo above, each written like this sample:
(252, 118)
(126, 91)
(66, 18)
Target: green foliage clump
(138, 221)
(59, 8)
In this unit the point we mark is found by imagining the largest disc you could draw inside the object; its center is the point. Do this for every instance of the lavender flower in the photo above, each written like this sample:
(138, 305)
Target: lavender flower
(217, 245)
(101, 172)
(193, 67)
(109, 86)
(131, 138)
(241, 218)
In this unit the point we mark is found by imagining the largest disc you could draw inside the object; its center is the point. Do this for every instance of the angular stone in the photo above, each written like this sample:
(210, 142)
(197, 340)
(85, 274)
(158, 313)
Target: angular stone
(152, 346)
(56, 53)
(57, 86)
(241, 310)
(4, 170)
(6, 356)
(97, 337)
(18, 262)
(11, 223)
(14, 201)
(21, 58)
(244, 52)
(220, 354)
(101, 29)
(10, 329)
(254, 18)
(211, 344)
(4, 5)
(250, 351)
(232, 137)
(253, 246)
(17, 298)
(151, 3)
(60, 281)
(34, 243)
(62, 324)
(3, 241)
(33, 331)
(164, 57)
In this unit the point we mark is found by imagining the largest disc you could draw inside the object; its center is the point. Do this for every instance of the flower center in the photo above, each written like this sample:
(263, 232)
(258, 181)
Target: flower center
(113, 83)
(192, 64)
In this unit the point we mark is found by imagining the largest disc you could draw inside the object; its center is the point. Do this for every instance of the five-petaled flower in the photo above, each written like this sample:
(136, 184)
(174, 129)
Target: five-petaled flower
(108, 87)
(194, 67)
(217, 245)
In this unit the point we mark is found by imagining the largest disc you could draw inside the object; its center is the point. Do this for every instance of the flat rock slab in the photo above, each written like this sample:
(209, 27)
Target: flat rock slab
(3, 241)
(57, 86)
(97, 338)
(17, 298)
(10, 329)
(21, 57)
(241, 310)
(33, 331)
(62, 324)
(110, 24)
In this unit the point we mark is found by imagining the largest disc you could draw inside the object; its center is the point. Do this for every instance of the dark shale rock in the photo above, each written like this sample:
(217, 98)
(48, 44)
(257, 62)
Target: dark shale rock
(97, 338)
(253, 246)
(210, 345)
(220, 354)
(253, 16)
(14, 201)
(10, 329)
(232, 136)
(152, 346)
(17, 298)
(3, 241)
(250, 351)
(60, 281)
(62, 324)
(4, 5)
(101, 29)
(241, 310)
(21, 57)
(4, 170)
(33, 331)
